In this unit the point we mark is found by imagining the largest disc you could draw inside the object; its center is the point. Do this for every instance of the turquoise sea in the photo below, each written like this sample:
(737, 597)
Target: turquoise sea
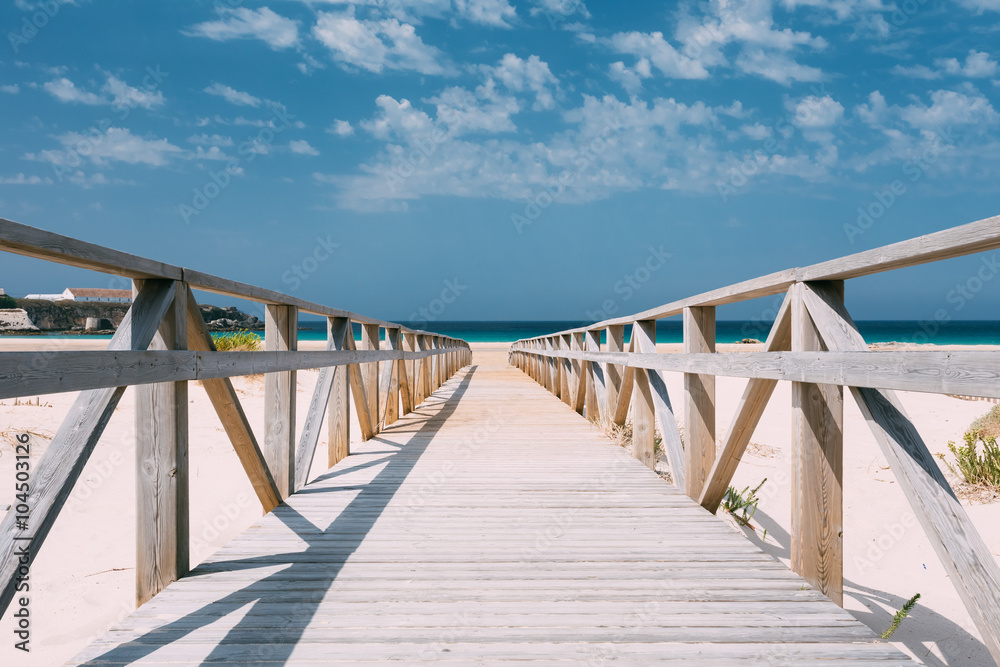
(971, 332)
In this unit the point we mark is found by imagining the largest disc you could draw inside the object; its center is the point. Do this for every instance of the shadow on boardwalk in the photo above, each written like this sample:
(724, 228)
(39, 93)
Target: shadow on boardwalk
(275, 639)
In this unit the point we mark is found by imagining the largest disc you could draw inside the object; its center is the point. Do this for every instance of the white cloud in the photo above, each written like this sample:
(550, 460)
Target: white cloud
(242, 23)
(302, 147)
(210, 140)
(233, 96)
(12, 89)
(916, 72)
(533, 74)
(947, 108)
(980, 6)
(560, 8)
(398, 120)
(377, 45)
(125, 96)
(756, 131)
(462, 111)
(496, 13)
(65, 90)
(876, 112)
(816, 112)
(341, 128)
(116, 145)
(653, 48)
(977, 65)
(21, 179)
(630, 77)
(778, 67)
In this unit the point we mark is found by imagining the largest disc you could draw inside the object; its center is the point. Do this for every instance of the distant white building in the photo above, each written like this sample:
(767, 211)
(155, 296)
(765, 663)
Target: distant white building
(87, 295)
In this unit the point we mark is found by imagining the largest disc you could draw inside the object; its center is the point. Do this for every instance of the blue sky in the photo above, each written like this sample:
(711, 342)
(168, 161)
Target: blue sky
(538, 159)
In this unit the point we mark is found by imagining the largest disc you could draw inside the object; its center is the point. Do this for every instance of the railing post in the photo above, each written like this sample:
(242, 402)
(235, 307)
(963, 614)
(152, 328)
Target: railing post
(161, 456)
(281, 329)
(699, 402)
(339, 423)
(565, 370)
(578, 377)
(592, 407)
(409, 371)
(643, 410)
(369, 372)
(817, 465)
(614, 372)
(393, 341)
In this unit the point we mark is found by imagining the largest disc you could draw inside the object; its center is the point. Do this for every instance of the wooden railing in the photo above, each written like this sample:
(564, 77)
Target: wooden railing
(815, 345)
(162, 344)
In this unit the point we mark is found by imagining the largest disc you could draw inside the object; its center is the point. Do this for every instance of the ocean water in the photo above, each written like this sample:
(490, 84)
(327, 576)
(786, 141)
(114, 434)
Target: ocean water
(970, 332)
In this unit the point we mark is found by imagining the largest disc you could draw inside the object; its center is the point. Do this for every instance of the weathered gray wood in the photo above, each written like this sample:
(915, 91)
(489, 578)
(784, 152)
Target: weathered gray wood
(579, 377)
(620, 414)
(748, 413)
(966, 239)
(408, 375)
(370, 341)
(699, 401)
(360, 395)
(64, 459)
(338, 448)
(643, 408)
(817, 531)
(322, 398)
(644, 341)
(964, 555)
(390, 378)
(597, 390)
(280, 390)
(161, 463)
(566, 382)
(227, 406)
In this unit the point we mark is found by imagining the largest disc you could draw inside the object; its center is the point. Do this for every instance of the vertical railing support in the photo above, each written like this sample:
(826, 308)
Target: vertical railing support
(614, 372)
(393, 341)
(339, 423)
(817, 465)
(408, 377)
(594, 406)
(643, 410)
(161, 457)
(699, 402)
(369, 371)
(281, 329)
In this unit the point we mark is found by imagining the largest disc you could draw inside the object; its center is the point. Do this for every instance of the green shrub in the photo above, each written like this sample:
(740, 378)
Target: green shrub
(238, 341)
(980, 470)
(741, 504)
(988, 425)
(7, 302)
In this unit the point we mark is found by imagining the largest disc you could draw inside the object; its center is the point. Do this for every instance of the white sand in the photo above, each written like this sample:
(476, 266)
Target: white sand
(82, 581)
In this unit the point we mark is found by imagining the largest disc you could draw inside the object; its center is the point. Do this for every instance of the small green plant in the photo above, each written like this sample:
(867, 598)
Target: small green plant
(976, 469)
(742, 505)
(7, 302)
(900, 615)
(987, 425)
(238, 341)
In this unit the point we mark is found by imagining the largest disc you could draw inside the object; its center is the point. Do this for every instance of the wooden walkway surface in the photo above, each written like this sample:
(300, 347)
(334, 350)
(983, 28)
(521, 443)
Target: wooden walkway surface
(493, 525)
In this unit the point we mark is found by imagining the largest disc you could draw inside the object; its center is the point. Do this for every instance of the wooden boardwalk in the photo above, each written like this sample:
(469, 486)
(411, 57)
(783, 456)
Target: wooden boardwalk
(493, 525)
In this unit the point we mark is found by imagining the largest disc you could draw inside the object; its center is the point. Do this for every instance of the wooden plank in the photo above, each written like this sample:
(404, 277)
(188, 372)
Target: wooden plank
(625, 391)
(359, 394)
(391, 376)
(817, 544)
(408, 375)
(63, 461)
(340, 331)
(643, 408)
(961, 549)
(161, 465)
(596, 383)
(566, 383)
(748, 413)
(323, 397)
(579, 391)
(974, 237)
(699, 401)
(615, 336)
(280, 390)
(370, 341)
(644, 340)
(227, 406)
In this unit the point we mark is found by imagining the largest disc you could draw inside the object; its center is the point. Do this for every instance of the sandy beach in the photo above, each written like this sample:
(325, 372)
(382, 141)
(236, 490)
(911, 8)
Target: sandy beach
(82, 580)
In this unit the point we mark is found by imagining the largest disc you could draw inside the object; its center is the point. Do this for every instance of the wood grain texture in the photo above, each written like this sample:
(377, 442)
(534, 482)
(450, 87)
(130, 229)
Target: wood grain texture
(280, 389)
(817, 526)
(615, 342)
(230, 412)
(64, 459)
(699, 401)
(964, 555)
(161, 463)
(643, 408)
(408, 375)
(579, 377)
(755, 397)
(360, 396)
(446, 548)
(644, 337)
(595, 402)
(370, 341)
(390, 377)
(339, 423)
(625, 391)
